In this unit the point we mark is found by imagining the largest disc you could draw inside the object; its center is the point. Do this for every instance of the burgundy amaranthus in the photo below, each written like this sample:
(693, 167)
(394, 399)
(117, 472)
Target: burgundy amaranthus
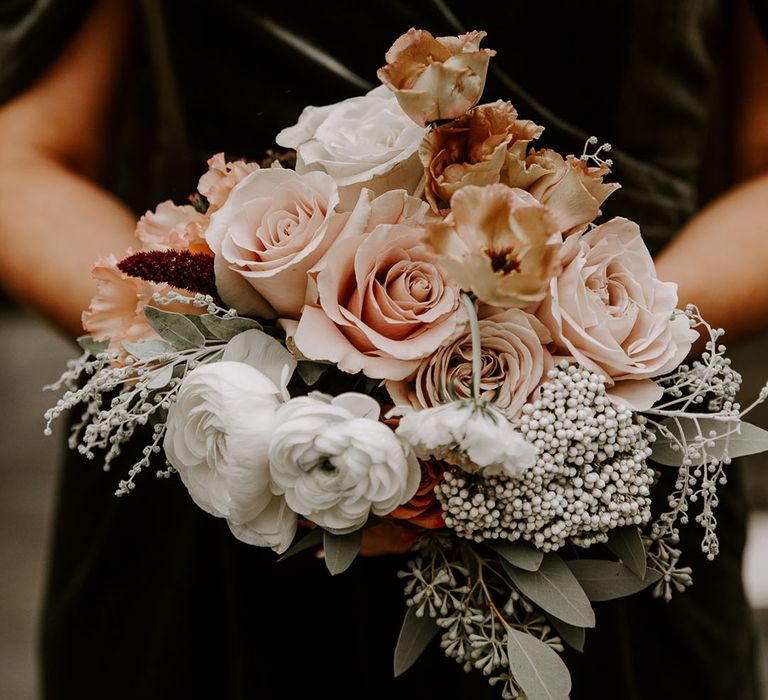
(179, 268)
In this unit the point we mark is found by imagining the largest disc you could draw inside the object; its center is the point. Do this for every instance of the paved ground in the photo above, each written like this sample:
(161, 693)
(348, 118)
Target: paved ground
(31, 355)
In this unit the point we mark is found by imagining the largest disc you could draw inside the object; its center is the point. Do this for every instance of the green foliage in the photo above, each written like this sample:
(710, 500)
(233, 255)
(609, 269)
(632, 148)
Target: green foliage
(627, 544)
(520, 554)
(415, 635)
(607, 580)
(341, 550)
(537, 668)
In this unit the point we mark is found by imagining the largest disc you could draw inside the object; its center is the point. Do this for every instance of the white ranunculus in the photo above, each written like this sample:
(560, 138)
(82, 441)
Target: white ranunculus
(218, 433)
(336, 463)
(365, 141)
(274, 527)
(474, 436)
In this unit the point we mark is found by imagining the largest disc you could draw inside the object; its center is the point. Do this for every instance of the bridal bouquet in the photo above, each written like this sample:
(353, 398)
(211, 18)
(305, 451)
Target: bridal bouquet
(410, 315)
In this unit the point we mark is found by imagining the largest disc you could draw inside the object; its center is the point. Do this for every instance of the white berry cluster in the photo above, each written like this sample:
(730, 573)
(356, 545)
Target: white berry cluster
(591, 474)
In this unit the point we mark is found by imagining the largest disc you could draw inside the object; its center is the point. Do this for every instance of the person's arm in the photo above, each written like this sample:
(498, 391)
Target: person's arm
(720, 259)
(54, 219)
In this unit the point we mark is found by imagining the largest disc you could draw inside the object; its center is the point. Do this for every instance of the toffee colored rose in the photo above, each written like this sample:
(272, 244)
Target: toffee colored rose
(365, 141)
(609, 311)
(572, 189)
(474, 149)
(515, 362)
(436, 78)
(499, 243)
(274, 226)
(424, 510)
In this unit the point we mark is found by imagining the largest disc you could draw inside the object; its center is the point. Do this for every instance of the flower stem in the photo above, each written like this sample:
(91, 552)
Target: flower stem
(474, 326)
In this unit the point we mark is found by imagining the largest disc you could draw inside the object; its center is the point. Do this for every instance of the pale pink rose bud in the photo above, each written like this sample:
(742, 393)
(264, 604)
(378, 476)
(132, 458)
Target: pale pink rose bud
(173, 227)
(499, 243)
(436, 78)
(222, 176)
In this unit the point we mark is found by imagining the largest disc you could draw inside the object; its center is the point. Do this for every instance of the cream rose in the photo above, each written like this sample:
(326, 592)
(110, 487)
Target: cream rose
(274, 226)
(436, 78)
(365, 141)
(382, 301)
(515, 362)
(498, 242)
(474, 149)
(609, 311)
(337, 464)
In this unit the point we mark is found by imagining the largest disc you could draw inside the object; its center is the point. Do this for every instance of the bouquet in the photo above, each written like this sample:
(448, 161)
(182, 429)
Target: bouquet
(411, 315)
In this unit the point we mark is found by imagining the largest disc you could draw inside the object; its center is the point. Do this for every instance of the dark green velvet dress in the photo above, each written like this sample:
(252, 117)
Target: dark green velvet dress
(148, 596)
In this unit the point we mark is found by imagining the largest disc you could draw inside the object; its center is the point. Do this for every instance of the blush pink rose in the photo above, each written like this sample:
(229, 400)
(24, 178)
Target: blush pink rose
(116, 312)
(515, 362)
(173, 227)
(609, 311)
(274, 226)
(436, 78)
(382, 302)
(222, 176)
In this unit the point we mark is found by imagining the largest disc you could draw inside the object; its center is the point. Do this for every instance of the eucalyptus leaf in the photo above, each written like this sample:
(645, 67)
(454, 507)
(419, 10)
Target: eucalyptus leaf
(310, 372)
(88, 344)
(176, 328)
(415, 635)
(627, 544)
(555, 589)
(159, 378)
(537, 668)
(607, 580)
(228, 328)
(572, 635)
(341, 550)
(520, 554)
(313, 538)
(148, 349)
(748, 440)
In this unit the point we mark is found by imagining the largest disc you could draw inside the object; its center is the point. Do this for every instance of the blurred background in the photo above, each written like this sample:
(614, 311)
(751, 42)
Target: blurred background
(32, 354)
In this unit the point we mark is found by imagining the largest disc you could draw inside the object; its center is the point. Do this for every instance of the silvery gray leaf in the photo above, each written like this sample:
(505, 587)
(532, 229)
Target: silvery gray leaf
(537, 668)
(87, 343)
(415, 635)
(341, 550)
(313, 538)
(572, 635)
(160, 377)
(176, 328)
(148, 349)
(607, 580)
(627, 544)
(310, 372)
(749, 440)
(520, 554)
(227, 328)
(555, 589)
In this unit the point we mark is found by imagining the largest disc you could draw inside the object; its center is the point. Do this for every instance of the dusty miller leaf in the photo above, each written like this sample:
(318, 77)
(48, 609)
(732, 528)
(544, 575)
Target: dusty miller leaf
(519, 554)
(227, 328)
(87, 343)
(148, 349)
(607, 580)
(555, 589)
(341, 550)
(537, 668)
(627, 545)
(415, 635)
(748, 440)
(176, 328)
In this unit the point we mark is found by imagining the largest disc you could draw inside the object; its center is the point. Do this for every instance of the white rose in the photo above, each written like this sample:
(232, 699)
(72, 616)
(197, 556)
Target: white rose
(337, 464)
(218, 432)
(474, 436)
(365, 141)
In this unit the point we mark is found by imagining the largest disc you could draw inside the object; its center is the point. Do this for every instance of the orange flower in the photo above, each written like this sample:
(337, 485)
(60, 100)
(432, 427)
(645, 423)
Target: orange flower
(424, 510)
